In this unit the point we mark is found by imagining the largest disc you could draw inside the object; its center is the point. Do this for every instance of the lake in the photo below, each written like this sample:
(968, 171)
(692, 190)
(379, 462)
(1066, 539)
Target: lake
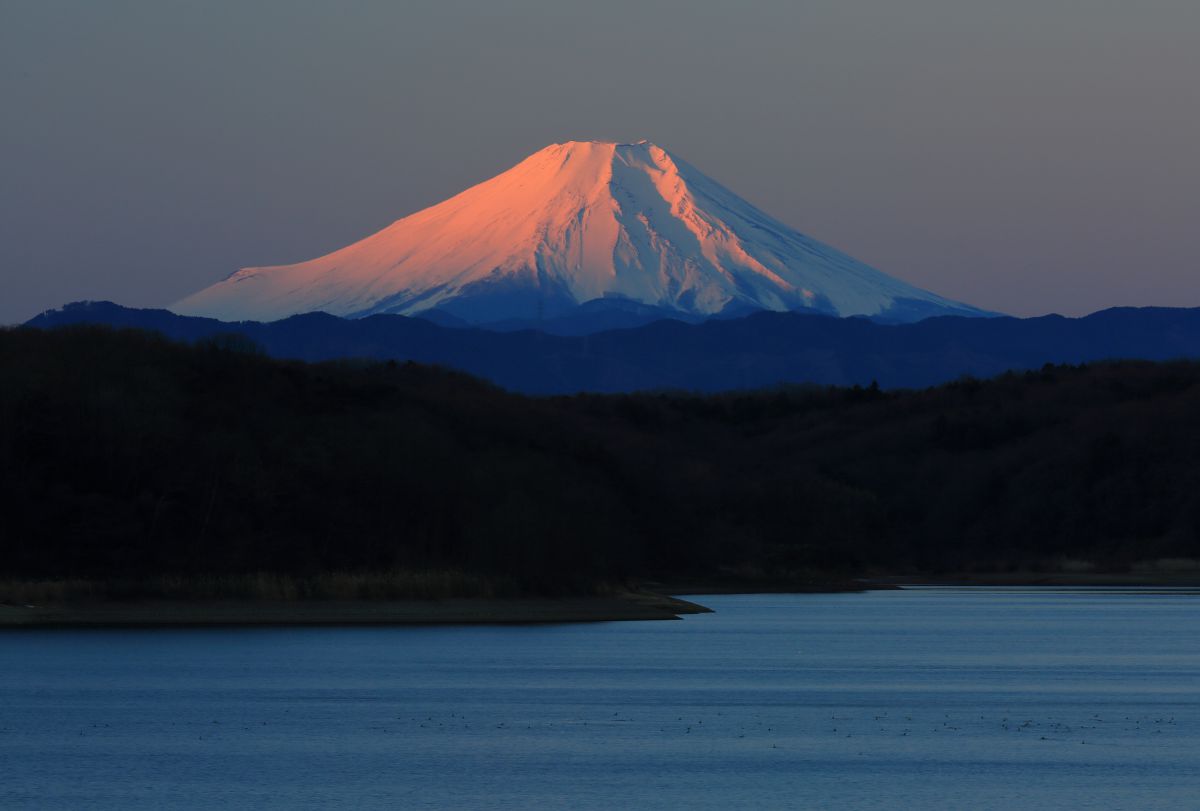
(948, 698)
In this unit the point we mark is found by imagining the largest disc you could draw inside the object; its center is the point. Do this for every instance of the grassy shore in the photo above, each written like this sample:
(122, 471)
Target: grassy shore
(457, 611)
(399, 597)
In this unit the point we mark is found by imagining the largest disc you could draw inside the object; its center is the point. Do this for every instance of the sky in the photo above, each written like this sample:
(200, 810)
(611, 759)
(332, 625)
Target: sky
(1030, 156)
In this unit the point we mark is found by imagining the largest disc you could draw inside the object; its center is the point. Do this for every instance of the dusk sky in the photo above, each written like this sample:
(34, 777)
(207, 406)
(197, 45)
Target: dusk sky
(1030, 156)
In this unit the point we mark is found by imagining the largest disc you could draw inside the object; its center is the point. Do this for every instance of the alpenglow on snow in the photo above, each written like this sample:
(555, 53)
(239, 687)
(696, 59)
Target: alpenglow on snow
(574, 223)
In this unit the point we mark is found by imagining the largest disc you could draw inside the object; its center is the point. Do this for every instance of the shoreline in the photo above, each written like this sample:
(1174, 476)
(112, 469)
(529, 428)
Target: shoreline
(733, 586)
(1190, 579)
(654, 602)
(316, 613)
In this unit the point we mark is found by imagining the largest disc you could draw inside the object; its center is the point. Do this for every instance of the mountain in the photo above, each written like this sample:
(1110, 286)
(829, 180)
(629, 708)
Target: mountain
(591, 224)
(762, 349)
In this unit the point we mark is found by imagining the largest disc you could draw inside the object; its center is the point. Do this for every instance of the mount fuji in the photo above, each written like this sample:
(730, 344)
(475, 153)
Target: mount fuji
(575, 228)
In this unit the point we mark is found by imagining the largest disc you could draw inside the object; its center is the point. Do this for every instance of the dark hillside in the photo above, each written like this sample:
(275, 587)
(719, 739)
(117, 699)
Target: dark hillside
(123, 454)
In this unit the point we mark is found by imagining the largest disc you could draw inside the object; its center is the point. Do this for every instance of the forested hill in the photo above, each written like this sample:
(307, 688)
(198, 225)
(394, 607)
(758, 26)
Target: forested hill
(125, 454)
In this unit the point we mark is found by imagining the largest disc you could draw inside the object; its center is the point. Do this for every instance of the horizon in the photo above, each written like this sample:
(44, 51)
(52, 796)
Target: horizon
(1052, 171)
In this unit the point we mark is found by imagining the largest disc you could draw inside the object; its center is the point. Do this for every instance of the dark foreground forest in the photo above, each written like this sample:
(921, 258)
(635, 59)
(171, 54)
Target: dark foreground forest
(125, 456)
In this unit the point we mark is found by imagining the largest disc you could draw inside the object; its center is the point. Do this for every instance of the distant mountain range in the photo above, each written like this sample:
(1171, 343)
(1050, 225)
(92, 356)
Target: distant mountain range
(757, 350)
(584, 231)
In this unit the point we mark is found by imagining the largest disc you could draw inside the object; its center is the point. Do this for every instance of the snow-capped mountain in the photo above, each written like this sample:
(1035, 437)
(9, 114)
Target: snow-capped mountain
(583, 221)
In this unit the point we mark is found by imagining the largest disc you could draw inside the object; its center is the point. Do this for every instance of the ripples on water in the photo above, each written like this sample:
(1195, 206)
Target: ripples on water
(1000, 698)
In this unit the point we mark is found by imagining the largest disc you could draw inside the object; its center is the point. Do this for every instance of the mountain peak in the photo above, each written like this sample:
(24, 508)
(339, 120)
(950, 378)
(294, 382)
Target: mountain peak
(575, 222)
(601, 143)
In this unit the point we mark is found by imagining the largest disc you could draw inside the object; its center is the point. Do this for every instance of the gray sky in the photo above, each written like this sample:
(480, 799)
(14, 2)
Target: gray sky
(1028, 156)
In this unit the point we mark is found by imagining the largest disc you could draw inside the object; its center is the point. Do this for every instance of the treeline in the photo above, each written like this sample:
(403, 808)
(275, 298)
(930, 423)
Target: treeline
(123, 454)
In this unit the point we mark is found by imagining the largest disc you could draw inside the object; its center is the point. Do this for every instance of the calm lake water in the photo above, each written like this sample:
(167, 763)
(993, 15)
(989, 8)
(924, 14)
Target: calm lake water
(918, 698)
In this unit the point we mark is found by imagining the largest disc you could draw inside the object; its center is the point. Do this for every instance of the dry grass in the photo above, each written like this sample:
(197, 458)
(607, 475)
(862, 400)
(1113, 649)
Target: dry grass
(265, 586)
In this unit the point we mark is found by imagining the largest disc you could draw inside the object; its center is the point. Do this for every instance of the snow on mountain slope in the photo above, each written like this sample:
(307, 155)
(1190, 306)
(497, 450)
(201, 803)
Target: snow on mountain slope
(573, 223)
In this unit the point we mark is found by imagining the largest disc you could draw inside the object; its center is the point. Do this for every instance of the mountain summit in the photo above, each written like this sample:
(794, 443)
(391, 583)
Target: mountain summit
(624, 224)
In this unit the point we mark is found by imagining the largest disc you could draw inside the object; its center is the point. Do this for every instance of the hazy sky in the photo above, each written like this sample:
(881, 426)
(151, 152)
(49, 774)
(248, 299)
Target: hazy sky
(1027, 156)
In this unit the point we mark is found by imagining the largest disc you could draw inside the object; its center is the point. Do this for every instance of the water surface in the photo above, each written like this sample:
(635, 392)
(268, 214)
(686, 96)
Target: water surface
(937, 698)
